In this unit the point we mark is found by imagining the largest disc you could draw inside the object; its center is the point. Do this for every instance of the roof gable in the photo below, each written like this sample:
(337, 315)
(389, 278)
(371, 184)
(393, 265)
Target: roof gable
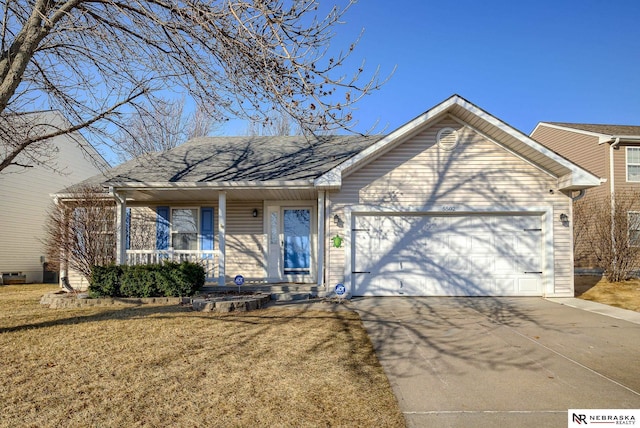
(570, 176)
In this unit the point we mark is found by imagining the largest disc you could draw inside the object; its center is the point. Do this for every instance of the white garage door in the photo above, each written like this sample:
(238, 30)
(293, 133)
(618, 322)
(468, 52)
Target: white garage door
(427, 255)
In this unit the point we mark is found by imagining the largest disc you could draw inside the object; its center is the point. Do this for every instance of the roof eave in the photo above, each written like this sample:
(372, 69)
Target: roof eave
(620, 138)
(217, 185)
(578, 180)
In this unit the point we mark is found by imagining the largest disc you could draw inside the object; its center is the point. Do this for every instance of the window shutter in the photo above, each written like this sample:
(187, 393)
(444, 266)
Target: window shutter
(162, 228)
(206, 228)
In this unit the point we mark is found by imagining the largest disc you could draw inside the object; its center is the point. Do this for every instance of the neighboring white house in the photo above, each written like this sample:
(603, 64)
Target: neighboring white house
(454, 202)
(25, 197)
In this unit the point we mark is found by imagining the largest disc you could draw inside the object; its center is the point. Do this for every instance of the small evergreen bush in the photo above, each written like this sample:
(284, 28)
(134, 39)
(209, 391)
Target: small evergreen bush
(170, 279)
(139, 281)
(105, 281)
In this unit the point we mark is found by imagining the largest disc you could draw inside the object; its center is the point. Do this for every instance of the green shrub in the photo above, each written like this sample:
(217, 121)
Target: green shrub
(168, 279)
(180, 279)
(195, 275)
(139, 281)
(105, 281)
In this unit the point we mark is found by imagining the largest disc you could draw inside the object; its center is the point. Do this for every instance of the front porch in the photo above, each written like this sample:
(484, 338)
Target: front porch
(268, 242)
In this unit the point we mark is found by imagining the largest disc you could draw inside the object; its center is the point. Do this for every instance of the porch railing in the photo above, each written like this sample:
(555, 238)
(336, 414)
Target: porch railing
(207, 258)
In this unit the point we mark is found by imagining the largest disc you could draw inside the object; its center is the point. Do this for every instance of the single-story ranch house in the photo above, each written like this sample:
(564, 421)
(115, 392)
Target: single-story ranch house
(453, 203)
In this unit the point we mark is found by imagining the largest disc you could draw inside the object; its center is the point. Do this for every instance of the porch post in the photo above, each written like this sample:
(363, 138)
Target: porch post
(321, 237)
(222, 222)
(121, 229)
(64, 262)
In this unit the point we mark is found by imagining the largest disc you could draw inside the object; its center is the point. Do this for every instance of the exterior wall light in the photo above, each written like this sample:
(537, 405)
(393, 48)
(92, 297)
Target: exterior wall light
(564, 218)
(255, 212)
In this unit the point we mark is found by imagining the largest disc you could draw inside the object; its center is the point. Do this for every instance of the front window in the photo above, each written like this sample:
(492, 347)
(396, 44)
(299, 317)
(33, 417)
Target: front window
(633, 226)
(184, 228)
(633, 163)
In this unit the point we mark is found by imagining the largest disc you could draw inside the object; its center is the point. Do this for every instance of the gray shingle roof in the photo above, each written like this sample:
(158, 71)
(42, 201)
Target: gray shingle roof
(250, 158)
(620, 130)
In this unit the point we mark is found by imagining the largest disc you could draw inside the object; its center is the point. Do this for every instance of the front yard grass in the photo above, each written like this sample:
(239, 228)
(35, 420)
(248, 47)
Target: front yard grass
(170, 366)
(625, 295)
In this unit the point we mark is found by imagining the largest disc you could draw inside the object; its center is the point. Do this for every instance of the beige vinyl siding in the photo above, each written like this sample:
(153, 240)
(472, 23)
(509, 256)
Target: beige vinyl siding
(25, 195)
(563, 248)
(579, 148)
(77, 281)
(245, 253)
(478, 174)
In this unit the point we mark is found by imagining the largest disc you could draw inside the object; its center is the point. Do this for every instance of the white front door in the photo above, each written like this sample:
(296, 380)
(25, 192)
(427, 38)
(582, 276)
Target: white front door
(290, 243)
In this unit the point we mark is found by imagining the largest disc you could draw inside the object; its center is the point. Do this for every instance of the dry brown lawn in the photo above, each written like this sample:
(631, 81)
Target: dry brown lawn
(625, 295)
(157, 366)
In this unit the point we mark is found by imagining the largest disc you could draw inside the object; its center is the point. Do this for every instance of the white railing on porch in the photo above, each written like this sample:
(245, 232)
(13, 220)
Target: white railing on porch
(208, 258)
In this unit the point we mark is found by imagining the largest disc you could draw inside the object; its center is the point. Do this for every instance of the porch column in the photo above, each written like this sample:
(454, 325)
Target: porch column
(121, 228)
(222, 222)
(321, 237)
(64, 263)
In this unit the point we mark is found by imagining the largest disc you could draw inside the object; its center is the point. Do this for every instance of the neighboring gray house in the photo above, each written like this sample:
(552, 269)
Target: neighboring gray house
(25, 195)
(454, 202)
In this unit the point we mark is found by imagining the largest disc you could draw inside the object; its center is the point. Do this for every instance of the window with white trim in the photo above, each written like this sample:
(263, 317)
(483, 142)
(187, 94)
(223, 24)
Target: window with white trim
(633, 227)
(633, 164)
(184, 228)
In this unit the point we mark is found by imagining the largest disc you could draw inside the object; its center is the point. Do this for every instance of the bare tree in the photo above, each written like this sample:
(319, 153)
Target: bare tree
(161, 128)
(275, 124)
(608, 233)
(80, 232)
(96, 60)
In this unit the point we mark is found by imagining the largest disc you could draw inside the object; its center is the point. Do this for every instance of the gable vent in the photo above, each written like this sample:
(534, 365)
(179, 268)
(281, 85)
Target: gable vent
(447, 138)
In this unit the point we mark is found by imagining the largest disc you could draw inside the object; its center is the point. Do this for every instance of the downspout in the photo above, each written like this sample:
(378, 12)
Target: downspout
(613, 200)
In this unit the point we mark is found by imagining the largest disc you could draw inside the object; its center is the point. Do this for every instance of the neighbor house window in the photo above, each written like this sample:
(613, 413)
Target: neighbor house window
(184, 228)
(633, 226)
(633, 163)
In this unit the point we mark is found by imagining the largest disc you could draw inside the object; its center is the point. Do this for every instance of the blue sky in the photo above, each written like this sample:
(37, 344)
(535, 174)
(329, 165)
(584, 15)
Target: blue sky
(524, 62)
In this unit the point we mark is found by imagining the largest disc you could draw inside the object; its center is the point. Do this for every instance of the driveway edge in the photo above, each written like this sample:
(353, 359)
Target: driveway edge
(598, 308)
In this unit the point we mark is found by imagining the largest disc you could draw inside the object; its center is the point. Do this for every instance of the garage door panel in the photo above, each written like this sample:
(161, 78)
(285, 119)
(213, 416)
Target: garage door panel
(528, 285)
(447, 255)
(483, 265)
(505, 286)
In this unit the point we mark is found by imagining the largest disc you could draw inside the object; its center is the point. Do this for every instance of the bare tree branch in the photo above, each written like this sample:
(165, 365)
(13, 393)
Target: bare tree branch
(80, 232)
(607, 233)
(161, 128)
(238, 58)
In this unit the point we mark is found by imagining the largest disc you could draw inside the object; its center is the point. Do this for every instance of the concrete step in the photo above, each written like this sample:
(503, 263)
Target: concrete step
(276, 288)
(290, 297)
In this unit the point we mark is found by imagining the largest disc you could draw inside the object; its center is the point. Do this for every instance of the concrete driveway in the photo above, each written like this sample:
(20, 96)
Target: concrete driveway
(492, 362)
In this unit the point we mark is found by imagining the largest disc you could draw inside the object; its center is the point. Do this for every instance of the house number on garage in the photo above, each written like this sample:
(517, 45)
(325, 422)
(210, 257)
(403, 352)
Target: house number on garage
(448, 208)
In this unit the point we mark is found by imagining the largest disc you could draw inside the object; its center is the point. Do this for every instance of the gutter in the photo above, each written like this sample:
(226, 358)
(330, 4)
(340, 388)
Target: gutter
(224, 185)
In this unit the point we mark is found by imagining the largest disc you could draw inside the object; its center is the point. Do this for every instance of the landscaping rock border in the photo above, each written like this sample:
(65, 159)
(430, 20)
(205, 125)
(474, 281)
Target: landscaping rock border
(231, 303)
(67, 300)
(224, 303)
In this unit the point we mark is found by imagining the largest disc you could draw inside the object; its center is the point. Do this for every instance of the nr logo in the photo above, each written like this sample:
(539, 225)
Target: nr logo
(579, 419)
